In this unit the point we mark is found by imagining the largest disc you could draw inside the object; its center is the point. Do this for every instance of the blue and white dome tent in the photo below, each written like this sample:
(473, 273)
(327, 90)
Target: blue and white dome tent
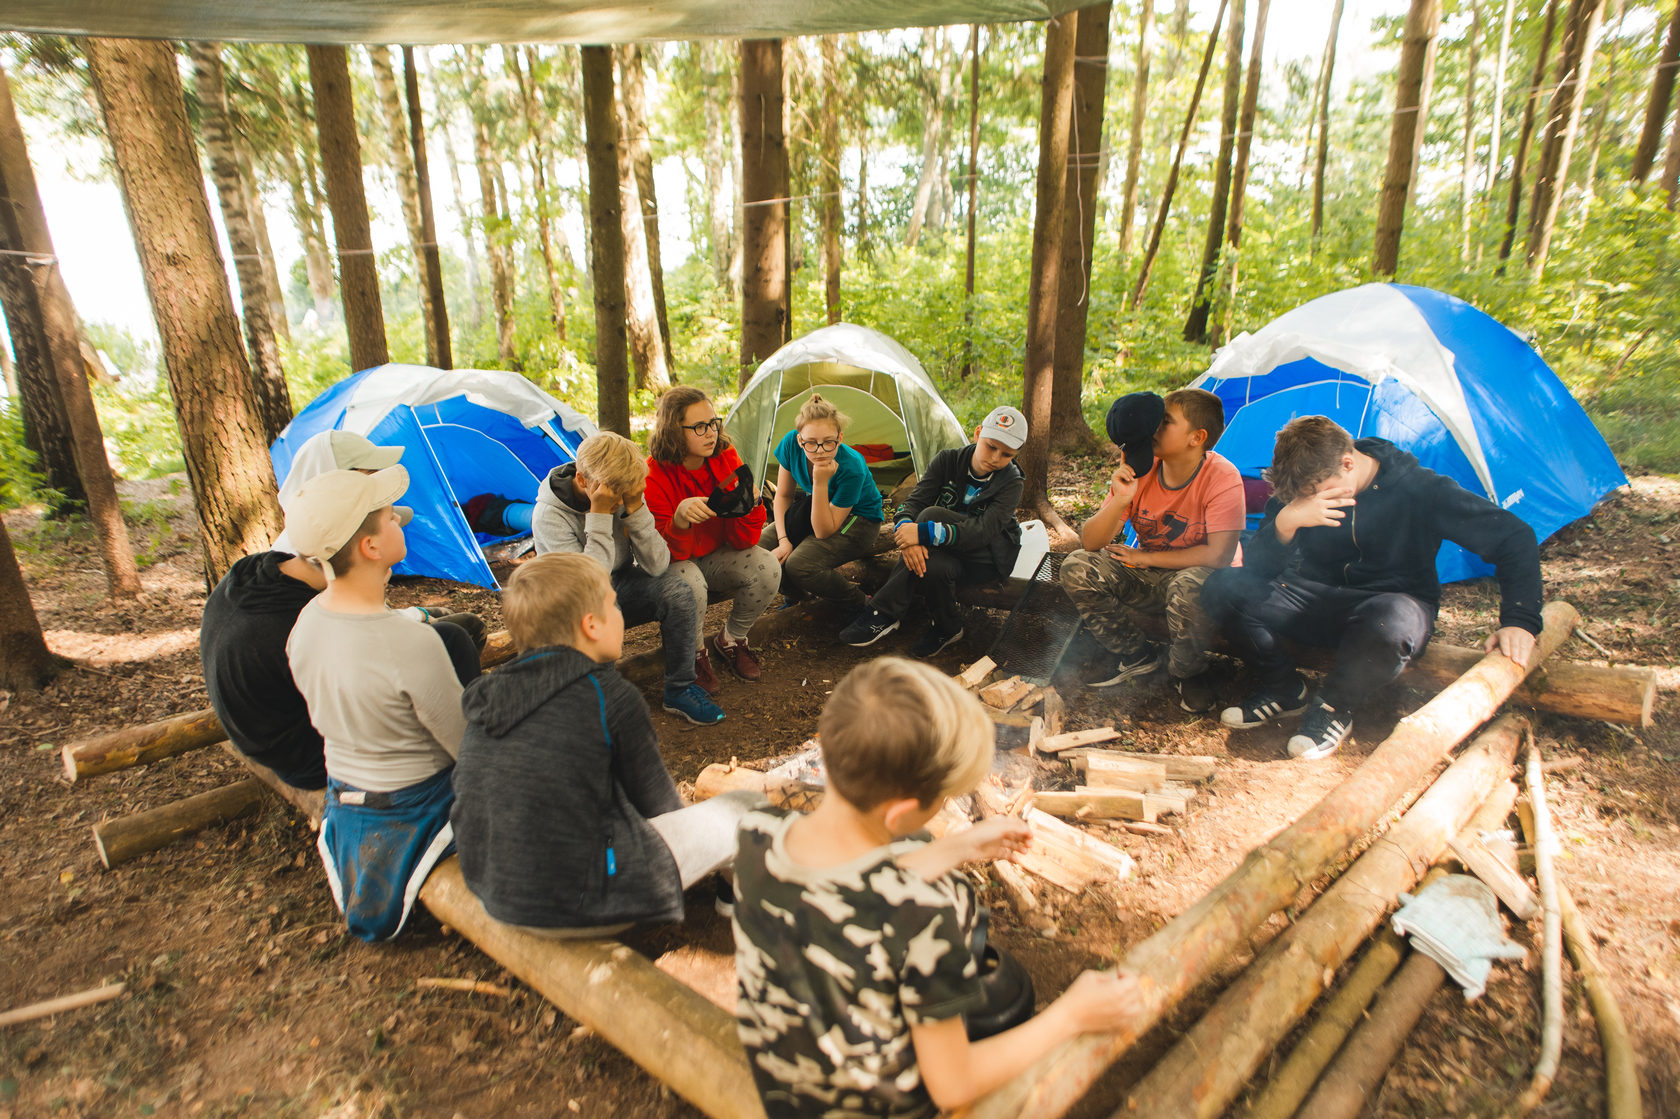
(463, 432)
(1431, 374)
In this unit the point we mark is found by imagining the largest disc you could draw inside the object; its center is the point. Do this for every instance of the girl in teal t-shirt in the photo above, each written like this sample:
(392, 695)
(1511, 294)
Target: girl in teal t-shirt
(827, 510)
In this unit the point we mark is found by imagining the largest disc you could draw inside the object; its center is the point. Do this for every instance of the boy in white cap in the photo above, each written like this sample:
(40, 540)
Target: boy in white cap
(957, 526)
(384, 696)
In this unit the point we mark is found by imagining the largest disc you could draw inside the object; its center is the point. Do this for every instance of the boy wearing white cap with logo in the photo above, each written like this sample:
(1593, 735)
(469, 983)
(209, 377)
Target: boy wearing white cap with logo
(957, 526)
(383, 694)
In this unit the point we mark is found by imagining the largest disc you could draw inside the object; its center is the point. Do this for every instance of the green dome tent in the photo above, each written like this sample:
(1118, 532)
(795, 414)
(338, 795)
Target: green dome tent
(875, 381)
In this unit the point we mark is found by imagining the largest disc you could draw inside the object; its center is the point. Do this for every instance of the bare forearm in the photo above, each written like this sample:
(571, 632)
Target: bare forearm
(991, 1063)
(1103, 525)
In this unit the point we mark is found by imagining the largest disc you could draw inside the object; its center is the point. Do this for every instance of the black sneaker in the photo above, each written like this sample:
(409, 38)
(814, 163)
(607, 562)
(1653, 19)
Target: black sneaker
(1124, 666)
(934, 640)
(1267, 704)
(724, 899)
(1195, 693)
(1321, 733)
(868, 628)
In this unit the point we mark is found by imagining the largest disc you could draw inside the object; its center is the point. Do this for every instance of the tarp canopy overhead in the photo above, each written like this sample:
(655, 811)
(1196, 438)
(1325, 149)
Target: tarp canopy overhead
(420, 22)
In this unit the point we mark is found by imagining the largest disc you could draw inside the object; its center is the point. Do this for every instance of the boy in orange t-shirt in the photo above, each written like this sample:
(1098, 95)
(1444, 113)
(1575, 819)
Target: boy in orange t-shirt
(1186, 506)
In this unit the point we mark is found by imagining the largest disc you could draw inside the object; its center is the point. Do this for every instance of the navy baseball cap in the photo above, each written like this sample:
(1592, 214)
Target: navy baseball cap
(1132, 423)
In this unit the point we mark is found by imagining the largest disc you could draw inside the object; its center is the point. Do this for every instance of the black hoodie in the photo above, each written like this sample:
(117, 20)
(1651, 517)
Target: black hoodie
(242, 643)
(558, 772)
(1390, 538)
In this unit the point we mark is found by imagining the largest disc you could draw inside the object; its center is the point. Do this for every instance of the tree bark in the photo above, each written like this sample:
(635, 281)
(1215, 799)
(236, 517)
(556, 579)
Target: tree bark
(274, 398)
(1580, 38)
(1657, 107)
(127, 747)
(1068, 429)
(1364, 1059)
(265, 245)
(1589, 177)
(408, 185)
(25, 661)
(1171, 186)
(496, 221)
(1525, 135)
(35, 286)
(341, 160)
(828, 178)
(1321, 153)
(128, 837)
(1498, 122)
(1670, 182)
(1140, 110)
(1239, 174)
(298, 164)
(934, 96)
(525, 81)
(638, 142)
(648, 356)
(719, 204)
(140, 96)
(1050, 214)
(606, 224)
(1423, 20)
(971, 244)
(766, 307)
(1467, 174)
(1196, 324)
(431, 263)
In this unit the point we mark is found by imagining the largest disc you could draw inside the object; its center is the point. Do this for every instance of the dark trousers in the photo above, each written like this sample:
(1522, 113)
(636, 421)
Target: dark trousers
(1375, 634)
(947, 569)
(665, 599)
(465, 654)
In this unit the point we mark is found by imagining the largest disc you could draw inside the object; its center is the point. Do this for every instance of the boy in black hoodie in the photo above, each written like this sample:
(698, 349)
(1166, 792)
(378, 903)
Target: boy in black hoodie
(1345, 557)
(565, 819)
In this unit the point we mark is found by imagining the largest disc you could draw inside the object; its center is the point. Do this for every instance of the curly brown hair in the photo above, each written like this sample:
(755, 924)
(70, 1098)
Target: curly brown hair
(667, 443)
(1309, 449)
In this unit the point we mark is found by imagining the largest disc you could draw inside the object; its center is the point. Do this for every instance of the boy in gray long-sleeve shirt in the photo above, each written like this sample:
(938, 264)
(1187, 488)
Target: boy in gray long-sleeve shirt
(594, 507)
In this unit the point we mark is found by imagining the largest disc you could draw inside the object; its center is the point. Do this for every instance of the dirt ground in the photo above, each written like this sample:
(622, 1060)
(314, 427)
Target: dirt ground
(246, 998)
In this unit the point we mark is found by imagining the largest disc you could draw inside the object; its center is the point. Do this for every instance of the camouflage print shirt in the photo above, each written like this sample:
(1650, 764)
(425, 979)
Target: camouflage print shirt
(835, 964)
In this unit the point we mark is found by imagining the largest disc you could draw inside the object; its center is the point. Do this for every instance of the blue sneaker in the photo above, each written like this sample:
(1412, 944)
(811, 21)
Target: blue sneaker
(693, 704)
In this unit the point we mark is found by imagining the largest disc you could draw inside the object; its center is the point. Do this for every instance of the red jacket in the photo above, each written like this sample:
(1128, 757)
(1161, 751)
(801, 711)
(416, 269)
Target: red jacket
(670, 483)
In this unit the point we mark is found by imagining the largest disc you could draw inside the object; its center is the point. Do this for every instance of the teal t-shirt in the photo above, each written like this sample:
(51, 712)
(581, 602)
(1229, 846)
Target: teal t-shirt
(852, 486)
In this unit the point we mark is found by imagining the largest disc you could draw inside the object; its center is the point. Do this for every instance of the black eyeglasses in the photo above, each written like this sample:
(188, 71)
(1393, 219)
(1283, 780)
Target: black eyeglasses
(703, 426)
(819, 444)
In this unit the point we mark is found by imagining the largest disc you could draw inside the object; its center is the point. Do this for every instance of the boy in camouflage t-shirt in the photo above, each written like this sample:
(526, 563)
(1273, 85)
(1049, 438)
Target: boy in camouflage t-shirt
(853, 929)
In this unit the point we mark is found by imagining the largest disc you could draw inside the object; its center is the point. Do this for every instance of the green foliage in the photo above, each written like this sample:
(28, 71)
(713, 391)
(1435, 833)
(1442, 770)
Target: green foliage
(140, 429)
(20, 484)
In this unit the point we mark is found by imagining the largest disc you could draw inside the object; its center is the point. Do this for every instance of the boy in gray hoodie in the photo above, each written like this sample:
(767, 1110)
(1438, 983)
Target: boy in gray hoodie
(594, 507)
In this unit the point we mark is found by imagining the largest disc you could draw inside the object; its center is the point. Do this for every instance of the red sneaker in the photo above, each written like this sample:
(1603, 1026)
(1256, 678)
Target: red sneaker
(704, 675)
(736, 656)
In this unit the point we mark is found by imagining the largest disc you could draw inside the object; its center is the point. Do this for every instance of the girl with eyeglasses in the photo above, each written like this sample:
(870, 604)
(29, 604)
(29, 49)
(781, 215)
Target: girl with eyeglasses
(705, 504)
(827, 510)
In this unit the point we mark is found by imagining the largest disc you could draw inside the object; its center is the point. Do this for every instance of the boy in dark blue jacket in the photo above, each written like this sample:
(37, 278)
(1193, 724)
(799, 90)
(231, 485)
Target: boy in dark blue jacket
(1345, 558)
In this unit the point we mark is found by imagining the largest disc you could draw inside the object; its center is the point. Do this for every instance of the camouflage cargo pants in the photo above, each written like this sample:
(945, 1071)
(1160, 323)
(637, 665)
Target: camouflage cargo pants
(1106, 591)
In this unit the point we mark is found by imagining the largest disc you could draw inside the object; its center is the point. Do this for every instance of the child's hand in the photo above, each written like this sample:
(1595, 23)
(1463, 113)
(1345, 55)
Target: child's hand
(915, 558)
(1324, 509)
(1131, 557)
(824, 470)
(1122, 484)
(1103, 1001)
(693, 510)
(601, 497)
(782, 550)
(996, 837)
(632, 497)
(907, 535)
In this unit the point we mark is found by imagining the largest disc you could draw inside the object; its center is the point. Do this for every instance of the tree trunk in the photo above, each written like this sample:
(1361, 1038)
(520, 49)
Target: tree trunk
(1322, 151)
(1670, 181)
(1196, 324)
(1657, 107)
(140, 96)
(1068, 429)
(828, 178)
(719, 205)
(431, 263)
(123, 838)
(496, 221)
(973, 195)
(1498, 122)
(766, 309)
(408, 185)
(934, 100)
(606, 225)
(265, 245)
(8, 371)
(865, 247)
(525, 82)
(648, 356)
(1050, 213)
(1525, 135)
(1171, 186)
(35, 284)
(1580, 38)
(299, 168)
(1239, 173)
(638, 144)
(25, 661)
(1140, 109)
(1422, 22)
(341, 160)
(1426, 92)
(1589, 178)
(1467, 174)
(274, 398)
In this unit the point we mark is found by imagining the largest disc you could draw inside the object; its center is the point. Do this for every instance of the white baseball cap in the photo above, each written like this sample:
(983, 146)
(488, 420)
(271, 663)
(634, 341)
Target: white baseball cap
(326, 511)
(1006, 425)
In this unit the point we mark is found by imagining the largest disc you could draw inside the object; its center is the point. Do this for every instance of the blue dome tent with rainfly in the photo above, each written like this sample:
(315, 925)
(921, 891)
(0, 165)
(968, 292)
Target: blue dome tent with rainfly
(1431, 374)
(464, 432)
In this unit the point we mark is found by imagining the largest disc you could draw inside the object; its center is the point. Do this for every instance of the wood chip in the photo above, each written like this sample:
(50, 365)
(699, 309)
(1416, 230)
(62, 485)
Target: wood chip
(1068, 740)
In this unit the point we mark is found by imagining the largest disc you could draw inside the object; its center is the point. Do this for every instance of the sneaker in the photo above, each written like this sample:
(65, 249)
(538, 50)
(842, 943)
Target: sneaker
(1195, 693)
(1124, 666)
(735, 655)
(934, 640)
(868, 628)
(724, 900)
(705, 675)
(1267, 704)
(693, 704)
(1321, 733)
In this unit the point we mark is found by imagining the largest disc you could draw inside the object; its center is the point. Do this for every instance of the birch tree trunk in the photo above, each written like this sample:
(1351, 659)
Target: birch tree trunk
(298, 166)
(606, 226)
(273, 396)
(1563, 121)
(647, 345)
(766, 311)
(1196, 325)
(1467, 174)
(1423, 20)
(140, 97)
(1657, 107)
(496, 224)
(935, 97)
(463, 217)
(1498, 122)
(973, 196)
(828, 178)
(525, 83)
(437, 325)
(1239, 174)
(1322, 153)
(1140, 110)
(265, 245)
(1669, 184)
(1525, 135)
(638, 143)
(719, 203)
(341, 160)
(408, 186)
(25, 661)
(1589, 177)
(1068, 429)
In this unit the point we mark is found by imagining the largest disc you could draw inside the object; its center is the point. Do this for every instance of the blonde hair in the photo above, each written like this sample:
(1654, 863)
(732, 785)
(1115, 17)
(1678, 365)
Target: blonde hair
(547, 598)
(611, 459)
(817, 409)
(898, 728)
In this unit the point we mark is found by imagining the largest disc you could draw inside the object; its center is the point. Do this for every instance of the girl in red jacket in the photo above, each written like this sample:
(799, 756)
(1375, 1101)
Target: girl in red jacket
(705, 504)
